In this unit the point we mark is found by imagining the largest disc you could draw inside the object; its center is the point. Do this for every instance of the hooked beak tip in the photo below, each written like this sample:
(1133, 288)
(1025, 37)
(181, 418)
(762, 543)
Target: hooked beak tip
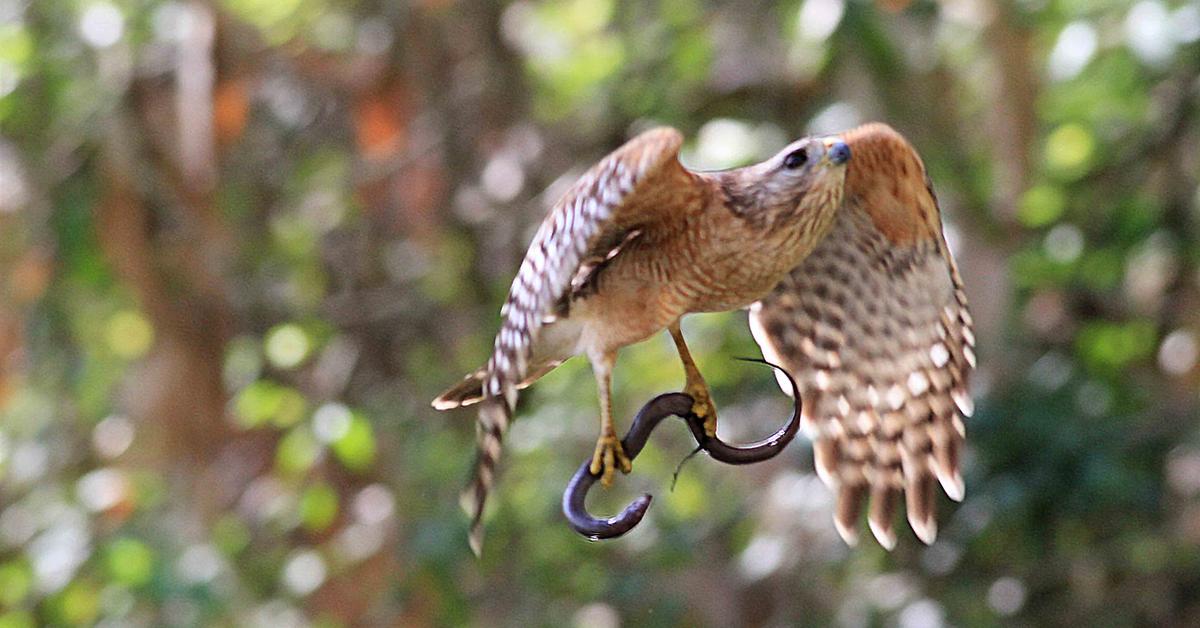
(839, 153)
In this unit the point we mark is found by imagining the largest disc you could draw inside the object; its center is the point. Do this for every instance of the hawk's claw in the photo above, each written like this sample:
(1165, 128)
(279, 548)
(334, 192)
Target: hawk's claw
(608, 457)
(710, 424)
(702, 407)
(610, 452)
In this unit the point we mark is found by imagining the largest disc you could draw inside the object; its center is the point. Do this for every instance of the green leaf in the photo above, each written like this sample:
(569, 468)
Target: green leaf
(17, 619)
(265, 401)
(297, 451)
(16, 46)
(231, 535)
(130, 562)
(318, 507)
(16, 579)
(76, 605)
(356, 450)
(1108, 346)
(1069, 150)
(129, 334)
(1041, 205)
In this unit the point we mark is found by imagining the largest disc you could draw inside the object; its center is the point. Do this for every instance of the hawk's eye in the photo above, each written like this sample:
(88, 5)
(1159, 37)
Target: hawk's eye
(795, 159)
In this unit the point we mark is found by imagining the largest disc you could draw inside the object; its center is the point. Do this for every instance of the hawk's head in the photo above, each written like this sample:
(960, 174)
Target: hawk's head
(799, 188)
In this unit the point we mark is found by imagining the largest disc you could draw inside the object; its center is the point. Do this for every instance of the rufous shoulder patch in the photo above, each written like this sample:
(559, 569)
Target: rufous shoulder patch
(886, 179)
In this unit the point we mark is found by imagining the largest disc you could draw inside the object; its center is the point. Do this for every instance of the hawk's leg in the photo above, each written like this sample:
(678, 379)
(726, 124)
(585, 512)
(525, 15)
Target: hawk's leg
(695, 387)
(609, 453)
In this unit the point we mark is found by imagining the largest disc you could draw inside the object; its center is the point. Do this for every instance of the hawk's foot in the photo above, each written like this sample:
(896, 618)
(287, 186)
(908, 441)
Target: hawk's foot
(702, 406)
(609, 456)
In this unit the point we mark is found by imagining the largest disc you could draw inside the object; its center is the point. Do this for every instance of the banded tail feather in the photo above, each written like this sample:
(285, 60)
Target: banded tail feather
(469, 391)
(495, 414)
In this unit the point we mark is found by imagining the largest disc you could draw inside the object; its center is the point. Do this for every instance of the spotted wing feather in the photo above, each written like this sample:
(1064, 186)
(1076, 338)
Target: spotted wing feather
(875, 327)
(620, 194)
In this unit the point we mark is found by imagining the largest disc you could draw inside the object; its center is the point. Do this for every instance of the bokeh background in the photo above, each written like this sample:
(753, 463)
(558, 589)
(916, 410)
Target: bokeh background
(244, 242)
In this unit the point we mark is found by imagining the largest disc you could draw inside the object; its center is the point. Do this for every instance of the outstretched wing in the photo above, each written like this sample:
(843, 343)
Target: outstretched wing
(640, 185)
(874, 326)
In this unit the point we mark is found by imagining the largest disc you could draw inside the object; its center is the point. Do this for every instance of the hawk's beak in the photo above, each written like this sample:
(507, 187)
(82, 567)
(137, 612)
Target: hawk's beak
(836, 152)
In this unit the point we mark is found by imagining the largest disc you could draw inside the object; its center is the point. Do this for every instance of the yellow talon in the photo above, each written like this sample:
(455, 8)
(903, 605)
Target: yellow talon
(702, 406)
(609, 456)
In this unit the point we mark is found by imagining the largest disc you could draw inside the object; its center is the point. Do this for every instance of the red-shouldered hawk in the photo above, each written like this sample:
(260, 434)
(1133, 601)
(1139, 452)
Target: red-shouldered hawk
(639, 241)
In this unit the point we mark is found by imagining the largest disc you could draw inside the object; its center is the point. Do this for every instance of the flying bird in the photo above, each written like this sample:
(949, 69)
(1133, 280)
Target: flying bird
(836, 245)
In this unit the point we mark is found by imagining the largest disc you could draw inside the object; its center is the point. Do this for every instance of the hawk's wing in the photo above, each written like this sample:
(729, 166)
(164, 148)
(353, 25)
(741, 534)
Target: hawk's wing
(640, 185)
(875, 328)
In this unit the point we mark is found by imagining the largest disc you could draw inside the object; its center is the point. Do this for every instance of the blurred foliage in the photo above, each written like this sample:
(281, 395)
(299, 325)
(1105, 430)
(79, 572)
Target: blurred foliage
(244, 242)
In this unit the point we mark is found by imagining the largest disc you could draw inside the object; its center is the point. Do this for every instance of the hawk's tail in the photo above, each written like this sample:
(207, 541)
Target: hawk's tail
(495, 413)
(469, 391)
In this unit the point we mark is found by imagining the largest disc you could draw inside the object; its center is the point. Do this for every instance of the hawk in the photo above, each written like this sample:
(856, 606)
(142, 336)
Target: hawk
(836, 245)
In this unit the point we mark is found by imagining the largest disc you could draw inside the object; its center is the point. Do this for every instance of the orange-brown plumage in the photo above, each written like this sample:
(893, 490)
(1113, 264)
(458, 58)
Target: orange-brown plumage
(638, 242)
(856, 294)
(887, 179)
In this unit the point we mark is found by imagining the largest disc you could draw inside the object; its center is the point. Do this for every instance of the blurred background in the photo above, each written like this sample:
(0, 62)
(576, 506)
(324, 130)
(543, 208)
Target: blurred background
(244, 242)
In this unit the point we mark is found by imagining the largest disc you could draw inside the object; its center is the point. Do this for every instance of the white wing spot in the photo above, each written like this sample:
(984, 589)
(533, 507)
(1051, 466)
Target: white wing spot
(969, 354)
(866, 423)
(895, 397)
(873, 396)
(964, 402)
(843, 405)
(917, 383)
(939, 354)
